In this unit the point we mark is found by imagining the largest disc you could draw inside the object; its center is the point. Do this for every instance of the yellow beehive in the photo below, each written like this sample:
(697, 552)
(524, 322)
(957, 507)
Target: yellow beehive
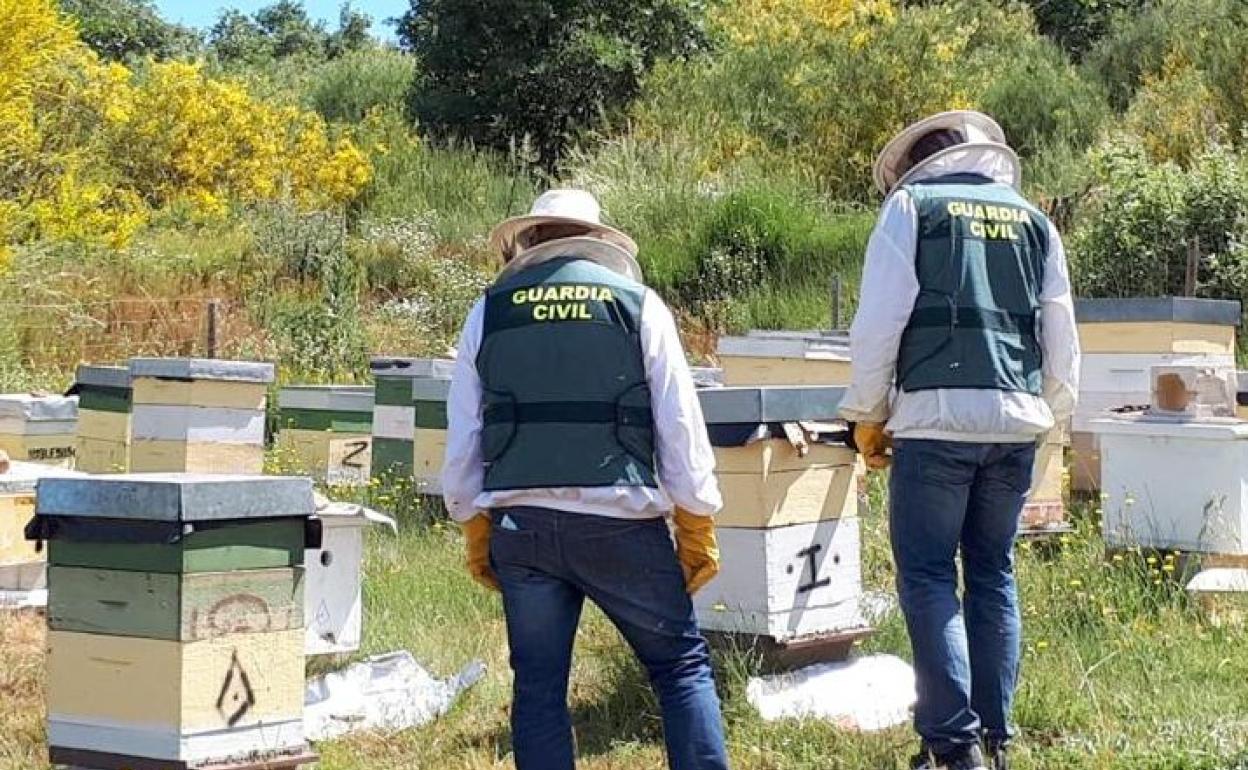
(104, 405)
(770, 484)
(39, 429)
(22, 566)
(785, 358)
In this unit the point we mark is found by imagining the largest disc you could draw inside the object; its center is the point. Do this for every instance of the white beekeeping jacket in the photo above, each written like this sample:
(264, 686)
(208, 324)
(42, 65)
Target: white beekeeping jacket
(889, 289)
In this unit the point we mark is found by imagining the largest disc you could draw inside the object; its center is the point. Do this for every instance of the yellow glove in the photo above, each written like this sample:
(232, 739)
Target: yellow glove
(477, 538)
(696, 548)
(874, 444)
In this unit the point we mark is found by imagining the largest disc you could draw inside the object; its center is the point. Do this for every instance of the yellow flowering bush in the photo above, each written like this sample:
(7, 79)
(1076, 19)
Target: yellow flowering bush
(92, 148)
(746, 22)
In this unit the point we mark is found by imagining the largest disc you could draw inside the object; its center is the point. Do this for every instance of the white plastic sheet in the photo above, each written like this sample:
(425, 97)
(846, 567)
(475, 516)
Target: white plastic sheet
(863, 695)
(385, 693)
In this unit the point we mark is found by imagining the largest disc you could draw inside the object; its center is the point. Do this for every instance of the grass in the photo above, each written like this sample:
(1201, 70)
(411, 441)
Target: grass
(1120, 672)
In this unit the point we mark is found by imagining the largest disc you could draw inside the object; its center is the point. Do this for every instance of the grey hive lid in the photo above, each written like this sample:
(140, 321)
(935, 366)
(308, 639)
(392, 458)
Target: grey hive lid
(176, 497)
(832, 345)
(202, 369)
(24, 406)
(1217, 312)
(770, 404)
(387, 366)
(336, 398)
(92, 375)
(22, 477)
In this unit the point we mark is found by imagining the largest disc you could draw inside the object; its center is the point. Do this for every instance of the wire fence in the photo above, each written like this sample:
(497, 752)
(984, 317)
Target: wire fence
(56, 336)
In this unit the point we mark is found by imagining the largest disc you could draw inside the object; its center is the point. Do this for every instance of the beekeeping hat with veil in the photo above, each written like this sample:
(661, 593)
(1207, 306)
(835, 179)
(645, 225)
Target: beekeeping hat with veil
(574, 219)
(956, 140)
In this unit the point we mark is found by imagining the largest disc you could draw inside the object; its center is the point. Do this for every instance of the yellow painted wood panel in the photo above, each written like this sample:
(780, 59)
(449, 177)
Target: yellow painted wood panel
(215, 393)
(322, 453)
(782, 498)
(1243, 413)
(100, 456)
(214, 684)
(148, 456)
(751, 370)
(778, 455)
(1050, 486)
(15, 512)
(107, 426)
(55, 450)
(428, 450)
(1160, 337)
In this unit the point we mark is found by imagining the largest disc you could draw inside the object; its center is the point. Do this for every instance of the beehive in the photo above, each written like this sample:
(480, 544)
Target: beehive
(1241, 397)
(789, 530)
(1177, 485)
(39, 429)
(1122, 339)
(104, 407)
(326, 431)
(175, 625)
(22, 566)
(401, 417)
(785, 358)
(429, 437)
(198, 415)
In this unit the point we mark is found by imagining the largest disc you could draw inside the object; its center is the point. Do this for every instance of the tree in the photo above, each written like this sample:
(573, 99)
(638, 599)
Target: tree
(237, 38)
(1077, 25)
(495, 71)
(290, 30)
(124, 29)
(352, 34)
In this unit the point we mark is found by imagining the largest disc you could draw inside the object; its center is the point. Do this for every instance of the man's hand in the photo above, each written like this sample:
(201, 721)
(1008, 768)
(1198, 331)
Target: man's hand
(477, 538)
(696, 548)
(873, 443)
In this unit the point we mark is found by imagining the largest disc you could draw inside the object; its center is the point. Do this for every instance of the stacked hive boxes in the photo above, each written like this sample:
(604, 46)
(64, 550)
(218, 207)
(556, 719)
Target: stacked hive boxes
(786, 358)
(789, 527)
(326, 431)
(39, 429)
(175, 620)
(1122, 339)
(22, 566)
(409, 417)
(198, 415)
(104, 403)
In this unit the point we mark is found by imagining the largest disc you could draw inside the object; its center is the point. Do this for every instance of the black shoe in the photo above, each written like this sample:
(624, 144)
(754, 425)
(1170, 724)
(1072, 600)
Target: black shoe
(970, 758)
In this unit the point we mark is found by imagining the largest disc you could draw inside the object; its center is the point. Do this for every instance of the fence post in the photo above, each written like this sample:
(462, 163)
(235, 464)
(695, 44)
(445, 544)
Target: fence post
(213, 310)
(836, 302)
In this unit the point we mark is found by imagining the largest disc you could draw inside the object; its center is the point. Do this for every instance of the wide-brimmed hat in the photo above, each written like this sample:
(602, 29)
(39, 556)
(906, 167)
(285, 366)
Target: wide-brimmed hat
(571, 207)
(982, 133)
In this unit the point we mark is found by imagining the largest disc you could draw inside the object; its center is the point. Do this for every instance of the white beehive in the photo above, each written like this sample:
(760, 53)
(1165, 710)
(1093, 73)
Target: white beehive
(333, 578)
(785, 358)
(786, 582)
(39, 428)
(1175, 485)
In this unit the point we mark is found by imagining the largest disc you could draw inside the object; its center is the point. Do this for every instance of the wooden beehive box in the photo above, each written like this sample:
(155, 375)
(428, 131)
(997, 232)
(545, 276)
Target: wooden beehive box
(22, 565)
(405, 425)
(789, 528)
(1241, 397)
(105, 399)
(785, 358)
(198, 415)
(429, 436)
(1174, 485)
(164, 659)
(1122, 339)
(326, 431)
(39, 429)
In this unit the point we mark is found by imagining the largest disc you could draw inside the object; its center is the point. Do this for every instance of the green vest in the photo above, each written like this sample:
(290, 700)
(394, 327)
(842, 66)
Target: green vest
(566, 402)
(980, 264)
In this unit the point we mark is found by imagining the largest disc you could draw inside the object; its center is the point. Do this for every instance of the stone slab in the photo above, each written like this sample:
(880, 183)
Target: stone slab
(1189, 310)
(177, 497)
(202, 369)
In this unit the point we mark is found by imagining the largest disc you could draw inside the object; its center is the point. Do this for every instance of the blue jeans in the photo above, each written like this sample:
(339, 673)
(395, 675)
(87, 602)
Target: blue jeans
(547, 563)
(945, 496)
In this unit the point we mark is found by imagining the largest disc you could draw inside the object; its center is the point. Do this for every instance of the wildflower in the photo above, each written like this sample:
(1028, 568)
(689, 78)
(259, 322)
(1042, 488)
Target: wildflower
(1076, 583)
(1042, 645)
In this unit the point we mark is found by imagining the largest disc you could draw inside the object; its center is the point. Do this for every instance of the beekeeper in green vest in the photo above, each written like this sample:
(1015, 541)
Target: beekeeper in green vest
(574, 433)
(965, 355)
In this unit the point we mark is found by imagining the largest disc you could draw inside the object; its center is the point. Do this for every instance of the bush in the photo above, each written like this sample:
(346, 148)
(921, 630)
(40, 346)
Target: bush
(496, 71)
(348, 88)
(1135, 233)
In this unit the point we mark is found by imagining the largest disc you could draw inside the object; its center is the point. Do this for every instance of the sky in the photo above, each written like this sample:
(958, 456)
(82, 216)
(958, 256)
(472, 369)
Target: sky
(203, 13)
